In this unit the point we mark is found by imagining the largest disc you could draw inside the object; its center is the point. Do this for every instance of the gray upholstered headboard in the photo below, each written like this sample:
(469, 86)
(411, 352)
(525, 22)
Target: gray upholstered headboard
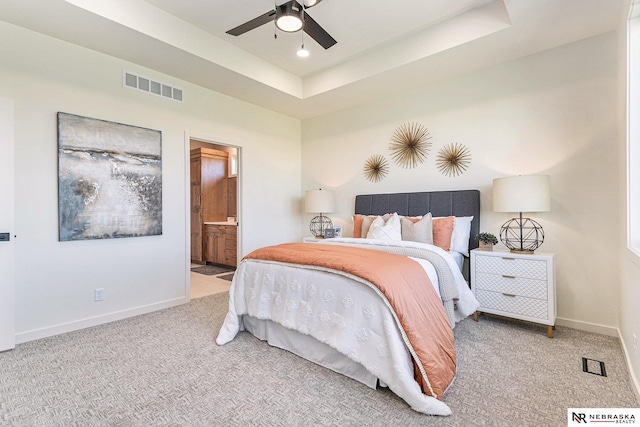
(439, 203)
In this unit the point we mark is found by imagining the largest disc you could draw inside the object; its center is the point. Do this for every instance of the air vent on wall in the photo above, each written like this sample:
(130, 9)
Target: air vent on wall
(153, 87)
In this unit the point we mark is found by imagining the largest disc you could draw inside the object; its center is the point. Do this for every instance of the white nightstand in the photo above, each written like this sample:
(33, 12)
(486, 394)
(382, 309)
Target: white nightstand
(520, 286)
(310, 239)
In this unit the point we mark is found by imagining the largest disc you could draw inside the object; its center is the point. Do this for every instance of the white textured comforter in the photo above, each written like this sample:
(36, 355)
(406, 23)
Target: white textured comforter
(336, 309)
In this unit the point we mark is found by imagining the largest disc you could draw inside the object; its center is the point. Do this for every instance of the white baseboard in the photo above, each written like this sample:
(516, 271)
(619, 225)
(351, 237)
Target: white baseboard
(588, 327)
(62, 328)
(632, 376)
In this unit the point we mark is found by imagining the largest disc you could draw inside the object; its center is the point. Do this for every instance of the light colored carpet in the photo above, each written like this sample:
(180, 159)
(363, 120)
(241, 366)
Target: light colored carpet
(164, 369)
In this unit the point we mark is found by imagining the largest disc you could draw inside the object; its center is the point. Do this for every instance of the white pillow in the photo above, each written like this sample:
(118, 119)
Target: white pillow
(389, 230)
(461, 234)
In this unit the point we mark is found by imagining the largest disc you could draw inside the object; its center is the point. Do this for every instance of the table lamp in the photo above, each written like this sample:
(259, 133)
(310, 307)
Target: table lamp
(523, 193)
(319, 201)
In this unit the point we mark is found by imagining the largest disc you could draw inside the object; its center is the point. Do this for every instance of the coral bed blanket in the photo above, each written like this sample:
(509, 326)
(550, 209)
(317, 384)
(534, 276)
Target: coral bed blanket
(406, 290)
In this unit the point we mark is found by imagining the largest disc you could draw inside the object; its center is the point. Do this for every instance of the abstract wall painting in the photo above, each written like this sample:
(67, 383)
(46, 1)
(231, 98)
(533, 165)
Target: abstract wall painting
(109, 179)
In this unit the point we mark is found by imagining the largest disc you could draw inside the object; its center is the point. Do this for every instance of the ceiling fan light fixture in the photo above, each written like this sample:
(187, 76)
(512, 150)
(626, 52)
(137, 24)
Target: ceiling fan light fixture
(289, 17)
(311, 3)
(302, 52)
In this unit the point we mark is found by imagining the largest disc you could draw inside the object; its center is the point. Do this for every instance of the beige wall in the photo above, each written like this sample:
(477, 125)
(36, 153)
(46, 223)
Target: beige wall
(55, 280)
(550, 113)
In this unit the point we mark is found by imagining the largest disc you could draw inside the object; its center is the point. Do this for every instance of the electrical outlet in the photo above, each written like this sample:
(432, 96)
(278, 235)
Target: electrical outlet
(98, 294)
(635, 344)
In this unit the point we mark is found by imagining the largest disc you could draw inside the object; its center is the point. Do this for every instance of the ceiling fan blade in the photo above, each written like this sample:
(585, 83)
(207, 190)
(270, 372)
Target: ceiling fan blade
(317, 33)
(254, 23)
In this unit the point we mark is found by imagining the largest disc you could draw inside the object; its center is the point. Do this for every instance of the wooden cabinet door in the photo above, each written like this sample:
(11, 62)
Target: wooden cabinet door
(214, 185)
(214, 251)
(231, 246)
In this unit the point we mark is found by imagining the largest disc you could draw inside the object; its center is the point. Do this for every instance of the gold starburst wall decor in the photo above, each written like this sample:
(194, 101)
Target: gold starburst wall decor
(453, 159)
(376, 168)
(410, 145)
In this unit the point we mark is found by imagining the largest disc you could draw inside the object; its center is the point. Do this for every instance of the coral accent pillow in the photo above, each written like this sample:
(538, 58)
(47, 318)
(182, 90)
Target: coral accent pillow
(417, 229)
(385, 230)
(461, 234)
(357, 225)
(442, 231)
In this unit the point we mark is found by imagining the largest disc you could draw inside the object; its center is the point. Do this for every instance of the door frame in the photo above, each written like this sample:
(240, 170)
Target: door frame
(7, 224)
(187, 185)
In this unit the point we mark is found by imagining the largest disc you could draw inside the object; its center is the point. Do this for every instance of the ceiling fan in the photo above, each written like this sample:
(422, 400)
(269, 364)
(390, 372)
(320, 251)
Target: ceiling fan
(290, 17)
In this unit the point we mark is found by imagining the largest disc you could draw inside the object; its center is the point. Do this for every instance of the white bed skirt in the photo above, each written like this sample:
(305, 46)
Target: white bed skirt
(308, 348)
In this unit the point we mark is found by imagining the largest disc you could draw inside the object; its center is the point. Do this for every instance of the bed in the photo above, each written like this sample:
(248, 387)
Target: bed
(340, 318)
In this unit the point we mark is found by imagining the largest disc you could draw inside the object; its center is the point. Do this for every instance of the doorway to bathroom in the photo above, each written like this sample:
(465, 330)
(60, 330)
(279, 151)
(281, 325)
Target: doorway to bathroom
(214, 170)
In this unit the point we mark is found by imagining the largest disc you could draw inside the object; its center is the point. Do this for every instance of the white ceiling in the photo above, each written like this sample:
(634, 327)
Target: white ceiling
(383, 46)
(357, 26)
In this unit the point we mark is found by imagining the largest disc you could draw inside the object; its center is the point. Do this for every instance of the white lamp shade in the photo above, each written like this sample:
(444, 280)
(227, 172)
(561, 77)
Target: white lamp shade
(319, 201)
(524, 193)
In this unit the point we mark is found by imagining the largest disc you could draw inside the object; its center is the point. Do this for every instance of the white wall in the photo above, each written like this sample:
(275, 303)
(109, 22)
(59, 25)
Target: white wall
(550, 113)
(55, 280)
(629, 261)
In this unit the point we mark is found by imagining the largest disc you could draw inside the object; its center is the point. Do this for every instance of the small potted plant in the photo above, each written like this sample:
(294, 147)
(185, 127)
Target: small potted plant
(487, 240)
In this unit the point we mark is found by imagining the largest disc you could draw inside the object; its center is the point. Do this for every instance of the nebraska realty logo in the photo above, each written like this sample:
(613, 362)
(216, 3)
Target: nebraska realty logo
(580, 416)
